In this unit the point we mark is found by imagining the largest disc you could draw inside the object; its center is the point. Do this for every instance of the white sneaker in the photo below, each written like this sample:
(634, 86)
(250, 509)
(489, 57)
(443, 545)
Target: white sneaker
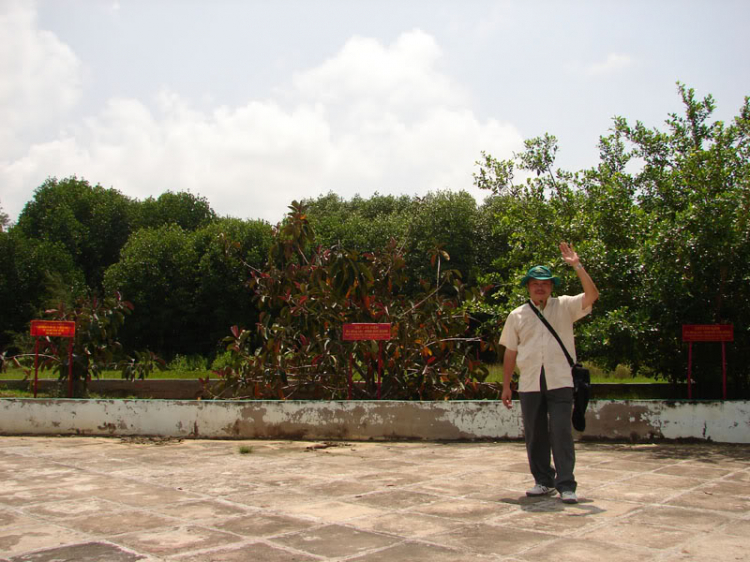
(568, 497)
(540, 490)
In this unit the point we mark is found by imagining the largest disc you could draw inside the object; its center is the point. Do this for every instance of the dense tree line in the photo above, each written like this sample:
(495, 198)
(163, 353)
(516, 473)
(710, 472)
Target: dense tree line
(166, 255)
(661, 223)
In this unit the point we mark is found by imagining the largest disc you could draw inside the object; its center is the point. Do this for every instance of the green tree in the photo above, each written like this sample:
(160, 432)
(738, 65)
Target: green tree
(28, 270)
(694, 189)
(359, 224)
(667, 243)
(188, 211)
(188, 288)
(225, 250)
(94, 348)
(306, 294)
(446, 221)
(4, 220)
(530, 218)
(615, 233)
(91, 222)
(158, 270)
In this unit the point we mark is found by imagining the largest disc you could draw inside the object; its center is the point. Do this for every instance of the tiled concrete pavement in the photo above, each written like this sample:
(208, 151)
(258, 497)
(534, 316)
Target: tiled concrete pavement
(95, 499)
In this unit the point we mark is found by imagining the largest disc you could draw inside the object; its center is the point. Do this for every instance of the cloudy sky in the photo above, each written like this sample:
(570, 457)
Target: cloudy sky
(253, 104)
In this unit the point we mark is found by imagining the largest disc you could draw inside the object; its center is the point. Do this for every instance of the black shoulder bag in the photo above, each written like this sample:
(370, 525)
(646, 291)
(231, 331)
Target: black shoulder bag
(581, 379)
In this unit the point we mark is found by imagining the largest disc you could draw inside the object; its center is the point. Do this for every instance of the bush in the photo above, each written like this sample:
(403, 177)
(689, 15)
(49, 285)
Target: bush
(307, 293)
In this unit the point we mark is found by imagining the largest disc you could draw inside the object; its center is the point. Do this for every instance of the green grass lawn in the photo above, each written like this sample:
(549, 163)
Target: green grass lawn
(18, 374)
(620, 375)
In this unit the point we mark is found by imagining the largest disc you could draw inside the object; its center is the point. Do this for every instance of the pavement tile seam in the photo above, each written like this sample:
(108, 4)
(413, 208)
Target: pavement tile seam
(546, 539)
(131, 540)
(357, 556)
(77, 539)
(426, 538)
(35, 509)
(707, 487)
(52, 550)
(690, 511)
(238, 546)
(631, 549)
(353, 525)
(646, 549)
(114, 536)
(712, 478)
(678, 552)
(403, 541)
(319, 521)
(396, 540)
(601, 549)
(635, 502)
(250, 538)
(567, 532)
(694, 534)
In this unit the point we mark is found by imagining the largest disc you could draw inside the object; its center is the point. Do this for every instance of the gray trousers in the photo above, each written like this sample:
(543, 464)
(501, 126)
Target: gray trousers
(547, 426)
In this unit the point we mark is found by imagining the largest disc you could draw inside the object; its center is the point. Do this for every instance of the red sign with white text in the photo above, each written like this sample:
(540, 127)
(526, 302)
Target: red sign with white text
(707, 332)
(53, 328)
(354, 332)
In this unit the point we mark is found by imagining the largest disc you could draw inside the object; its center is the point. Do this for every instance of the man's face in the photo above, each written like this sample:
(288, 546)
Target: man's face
(540, 289)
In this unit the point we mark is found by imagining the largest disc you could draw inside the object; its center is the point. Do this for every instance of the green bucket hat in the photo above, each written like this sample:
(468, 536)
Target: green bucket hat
(541, 272)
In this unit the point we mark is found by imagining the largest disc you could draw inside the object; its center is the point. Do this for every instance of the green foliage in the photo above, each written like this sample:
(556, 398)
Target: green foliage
(694, 189)
(444, 219)
(95, 346)
(221, 361)
(189, 286)
(158, 270)
(667, 243)
(448, 221)
(359, 224)
(92, 223)
(188, 363)
(306, 297)
(188, 211)
(225, 250)
(141, 364)
(4, 220)
(26, 267)
(661, 223)
(524, 223)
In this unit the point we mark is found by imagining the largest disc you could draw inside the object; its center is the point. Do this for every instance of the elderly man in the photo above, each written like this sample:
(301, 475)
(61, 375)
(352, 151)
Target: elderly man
(545, 383)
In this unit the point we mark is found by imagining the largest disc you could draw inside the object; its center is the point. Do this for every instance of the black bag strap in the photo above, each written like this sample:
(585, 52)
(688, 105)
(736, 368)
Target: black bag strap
(551, 329)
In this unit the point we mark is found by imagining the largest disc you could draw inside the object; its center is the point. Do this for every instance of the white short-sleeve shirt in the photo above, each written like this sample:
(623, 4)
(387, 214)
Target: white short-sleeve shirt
(525, 333)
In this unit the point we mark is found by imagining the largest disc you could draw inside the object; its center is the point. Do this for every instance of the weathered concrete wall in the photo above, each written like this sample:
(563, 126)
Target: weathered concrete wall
(726, 422)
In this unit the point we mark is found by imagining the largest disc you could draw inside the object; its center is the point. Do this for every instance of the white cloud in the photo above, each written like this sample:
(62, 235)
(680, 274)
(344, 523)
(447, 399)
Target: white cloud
(371, 118)
(398, 77)
(41, 76)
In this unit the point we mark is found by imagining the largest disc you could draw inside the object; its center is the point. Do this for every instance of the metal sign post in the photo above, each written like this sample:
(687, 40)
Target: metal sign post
(53, 328)
(708, 333)
(357, 332)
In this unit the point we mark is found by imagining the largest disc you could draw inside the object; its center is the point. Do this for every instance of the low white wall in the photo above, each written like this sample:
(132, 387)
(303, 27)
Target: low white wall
(726, 422)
